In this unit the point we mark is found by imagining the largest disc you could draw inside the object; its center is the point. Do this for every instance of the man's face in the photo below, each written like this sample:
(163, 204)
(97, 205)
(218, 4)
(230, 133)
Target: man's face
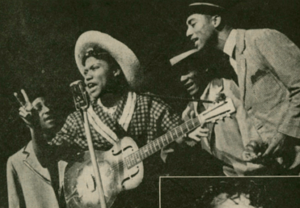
(47, 119)
(200, 29)
(97, 75)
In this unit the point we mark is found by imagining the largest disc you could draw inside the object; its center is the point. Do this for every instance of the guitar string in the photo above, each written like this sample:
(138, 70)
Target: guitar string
(120, 164)
(151, 143)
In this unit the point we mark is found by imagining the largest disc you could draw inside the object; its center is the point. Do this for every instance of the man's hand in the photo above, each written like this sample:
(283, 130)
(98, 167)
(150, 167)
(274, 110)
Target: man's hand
(28, 114)
(253, 151)
(196, 136)
(188, 113)
(276, 146)
(198, 133)
(257, 153)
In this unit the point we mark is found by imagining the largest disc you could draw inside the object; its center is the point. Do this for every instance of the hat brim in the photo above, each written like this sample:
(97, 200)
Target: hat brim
(123, 55)
(205, 8)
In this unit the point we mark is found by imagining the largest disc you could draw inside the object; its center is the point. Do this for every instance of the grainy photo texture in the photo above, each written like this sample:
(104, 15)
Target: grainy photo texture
(230, 192)
(99, 98)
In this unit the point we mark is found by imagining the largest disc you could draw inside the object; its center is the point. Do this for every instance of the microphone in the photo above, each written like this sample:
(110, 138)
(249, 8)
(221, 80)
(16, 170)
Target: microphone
(79, 95)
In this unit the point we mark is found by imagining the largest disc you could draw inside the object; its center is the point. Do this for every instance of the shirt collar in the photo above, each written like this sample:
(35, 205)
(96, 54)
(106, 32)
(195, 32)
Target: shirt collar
(230, 43)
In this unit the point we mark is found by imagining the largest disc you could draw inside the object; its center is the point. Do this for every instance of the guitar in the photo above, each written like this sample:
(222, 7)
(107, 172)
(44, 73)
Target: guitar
(121, 167)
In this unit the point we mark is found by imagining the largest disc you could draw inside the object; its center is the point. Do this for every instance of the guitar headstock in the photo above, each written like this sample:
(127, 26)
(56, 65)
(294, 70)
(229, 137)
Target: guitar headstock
(218, 111)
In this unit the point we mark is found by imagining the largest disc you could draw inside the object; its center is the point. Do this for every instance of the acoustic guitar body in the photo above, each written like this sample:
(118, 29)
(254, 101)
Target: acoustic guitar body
(80, 184)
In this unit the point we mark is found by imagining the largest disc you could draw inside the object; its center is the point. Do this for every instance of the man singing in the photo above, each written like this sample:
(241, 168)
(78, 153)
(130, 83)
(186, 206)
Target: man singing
(267, 65)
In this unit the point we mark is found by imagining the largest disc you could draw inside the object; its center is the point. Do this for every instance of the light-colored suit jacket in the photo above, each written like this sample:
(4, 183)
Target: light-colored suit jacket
(29, 184)
(231, 134)
(268, 67)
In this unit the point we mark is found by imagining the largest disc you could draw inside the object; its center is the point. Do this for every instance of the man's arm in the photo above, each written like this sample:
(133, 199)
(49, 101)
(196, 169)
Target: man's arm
(284, 56)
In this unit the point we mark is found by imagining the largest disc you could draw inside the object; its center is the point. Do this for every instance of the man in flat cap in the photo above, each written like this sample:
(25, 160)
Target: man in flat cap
(267, 65)
(225, 139)
(111, 74)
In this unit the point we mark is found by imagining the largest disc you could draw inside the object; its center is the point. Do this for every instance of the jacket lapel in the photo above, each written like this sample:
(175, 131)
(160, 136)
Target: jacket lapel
(31, 162)
(241, 61)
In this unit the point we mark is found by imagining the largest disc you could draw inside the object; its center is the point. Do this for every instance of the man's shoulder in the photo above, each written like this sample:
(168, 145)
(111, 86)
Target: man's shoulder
(18, 156)
(253, 35)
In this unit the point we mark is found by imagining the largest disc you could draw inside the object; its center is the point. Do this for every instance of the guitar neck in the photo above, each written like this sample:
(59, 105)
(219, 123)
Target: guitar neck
(159, 143)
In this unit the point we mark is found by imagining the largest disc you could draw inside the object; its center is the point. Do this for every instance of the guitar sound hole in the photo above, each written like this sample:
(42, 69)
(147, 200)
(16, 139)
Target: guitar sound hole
(117, 153)
(127, 148)
(135, 173)
(126, 179)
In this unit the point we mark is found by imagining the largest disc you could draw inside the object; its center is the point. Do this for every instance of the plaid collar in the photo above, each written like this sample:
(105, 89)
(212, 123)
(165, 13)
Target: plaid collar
(112, 123)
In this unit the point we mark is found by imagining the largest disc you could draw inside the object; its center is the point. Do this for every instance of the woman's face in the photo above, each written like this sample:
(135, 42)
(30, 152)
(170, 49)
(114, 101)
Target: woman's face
(97, 75)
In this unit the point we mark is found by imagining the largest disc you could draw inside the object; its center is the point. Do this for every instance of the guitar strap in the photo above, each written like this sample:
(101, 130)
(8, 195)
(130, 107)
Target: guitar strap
(128, 111)
(124, 120)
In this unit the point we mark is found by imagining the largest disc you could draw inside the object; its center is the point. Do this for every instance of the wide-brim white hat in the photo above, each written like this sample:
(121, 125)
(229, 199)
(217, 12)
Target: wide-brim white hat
(123, 55)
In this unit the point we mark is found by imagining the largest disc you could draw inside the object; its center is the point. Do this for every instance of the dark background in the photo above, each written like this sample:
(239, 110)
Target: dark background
(187, 192)
(37, 40)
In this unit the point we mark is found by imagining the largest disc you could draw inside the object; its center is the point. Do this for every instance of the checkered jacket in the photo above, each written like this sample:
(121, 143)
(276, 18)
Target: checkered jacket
(151, 118)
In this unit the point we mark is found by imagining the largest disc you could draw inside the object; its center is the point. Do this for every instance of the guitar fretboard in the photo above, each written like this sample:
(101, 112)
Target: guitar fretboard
(162, 141)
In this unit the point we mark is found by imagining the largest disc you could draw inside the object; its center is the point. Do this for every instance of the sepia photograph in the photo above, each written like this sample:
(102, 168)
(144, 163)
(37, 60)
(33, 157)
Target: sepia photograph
(101, 98)
(229, 192)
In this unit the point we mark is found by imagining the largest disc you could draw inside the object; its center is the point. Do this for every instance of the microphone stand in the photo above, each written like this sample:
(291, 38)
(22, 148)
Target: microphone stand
(94, 160)
(81, 102)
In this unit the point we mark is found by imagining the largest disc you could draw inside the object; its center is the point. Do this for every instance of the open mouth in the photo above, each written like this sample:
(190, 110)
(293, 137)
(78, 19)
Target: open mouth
(49, 118)
(195, 40)
(91, 86)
